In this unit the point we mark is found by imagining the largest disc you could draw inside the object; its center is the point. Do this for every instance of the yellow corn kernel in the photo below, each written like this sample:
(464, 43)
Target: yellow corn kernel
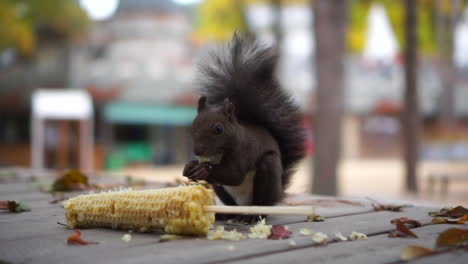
(178, 210)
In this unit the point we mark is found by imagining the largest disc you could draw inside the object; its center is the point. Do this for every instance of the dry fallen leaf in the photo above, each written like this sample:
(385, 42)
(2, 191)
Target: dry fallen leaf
(387, 207)
(71, 180)
(452, 237)
(438, 220)
(463, 219)
(279, 232)
(315, 218)
(445, 220)
(412, 252)
(76, 239)
(14, 206)
(402, 231)
(406, 221)
(455, 212)
(401, 227)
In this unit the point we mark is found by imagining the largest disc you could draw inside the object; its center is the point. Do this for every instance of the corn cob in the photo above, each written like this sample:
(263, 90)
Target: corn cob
(178, 210)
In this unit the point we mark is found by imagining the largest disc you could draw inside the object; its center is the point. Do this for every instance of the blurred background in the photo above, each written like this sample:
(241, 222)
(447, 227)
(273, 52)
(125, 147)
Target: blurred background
(108, 87)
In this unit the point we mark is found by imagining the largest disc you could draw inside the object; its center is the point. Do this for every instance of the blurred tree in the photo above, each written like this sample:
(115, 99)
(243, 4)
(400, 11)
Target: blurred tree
(23, 21)
(410, 118)
(330, 37)
(218, 19)
(448, 12)
(359, 10)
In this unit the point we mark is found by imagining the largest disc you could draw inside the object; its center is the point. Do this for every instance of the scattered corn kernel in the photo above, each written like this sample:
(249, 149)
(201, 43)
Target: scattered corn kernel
(356, 235)
(292, 243)
(340, 237)
(126, 238)
(319, 237)
(220, 233)
(261, 230)
(231, 248)
(306, 231)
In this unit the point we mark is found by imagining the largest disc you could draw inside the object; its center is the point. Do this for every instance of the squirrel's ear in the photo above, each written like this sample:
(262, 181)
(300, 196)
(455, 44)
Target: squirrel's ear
(201, 103)
(229, 109)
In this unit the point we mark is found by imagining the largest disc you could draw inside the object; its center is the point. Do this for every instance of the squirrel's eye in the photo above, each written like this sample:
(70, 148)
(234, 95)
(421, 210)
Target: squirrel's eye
(218, 129)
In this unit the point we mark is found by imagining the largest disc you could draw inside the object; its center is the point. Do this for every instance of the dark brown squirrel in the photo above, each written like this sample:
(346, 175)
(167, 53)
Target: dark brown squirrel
(247, 132)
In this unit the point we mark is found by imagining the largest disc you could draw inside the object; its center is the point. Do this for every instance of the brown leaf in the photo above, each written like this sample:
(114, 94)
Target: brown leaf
(76, 239)
(452, 237)
(14, 206)
(463, 219)
(279, 232)
(458, 211)
(412, 252)
(388, 207)
(401, 231)
(455, 212)
(407, 221)
(3, 205)
(444, 220)
(71, 180)
(315, 218)
(438, 220)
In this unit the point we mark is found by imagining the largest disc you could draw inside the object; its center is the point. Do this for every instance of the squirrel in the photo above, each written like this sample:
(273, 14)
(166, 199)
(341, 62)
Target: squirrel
(247, 132)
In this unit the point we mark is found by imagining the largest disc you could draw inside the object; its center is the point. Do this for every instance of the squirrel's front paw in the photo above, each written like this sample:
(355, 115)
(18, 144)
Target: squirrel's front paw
(197, 171)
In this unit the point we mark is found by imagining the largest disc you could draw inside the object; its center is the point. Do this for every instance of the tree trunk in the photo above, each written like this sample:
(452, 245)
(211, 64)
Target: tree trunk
(410, 118)
(330, 18)
(446, 23)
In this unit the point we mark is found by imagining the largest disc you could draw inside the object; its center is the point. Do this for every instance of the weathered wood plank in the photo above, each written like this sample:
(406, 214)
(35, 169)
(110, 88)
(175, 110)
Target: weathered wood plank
(375, 249)
(143, 248)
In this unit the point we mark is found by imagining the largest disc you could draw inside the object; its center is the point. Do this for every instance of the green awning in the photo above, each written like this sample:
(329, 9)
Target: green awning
(150, 114)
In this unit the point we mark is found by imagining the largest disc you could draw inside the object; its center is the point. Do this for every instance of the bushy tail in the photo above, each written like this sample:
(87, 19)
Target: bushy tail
(244, 72)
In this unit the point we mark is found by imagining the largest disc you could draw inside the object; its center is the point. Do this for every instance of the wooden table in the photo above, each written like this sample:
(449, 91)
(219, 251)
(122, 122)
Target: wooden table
(35, 237)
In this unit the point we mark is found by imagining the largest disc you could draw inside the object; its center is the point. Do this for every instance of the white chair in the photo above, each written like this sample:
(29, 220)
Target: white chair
(62, 105)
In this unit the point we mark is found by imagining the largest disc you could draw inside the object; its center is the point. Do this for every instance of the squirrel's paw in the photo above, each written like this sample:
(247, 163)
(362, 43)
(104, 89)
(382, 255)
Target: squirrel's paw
(197, 171)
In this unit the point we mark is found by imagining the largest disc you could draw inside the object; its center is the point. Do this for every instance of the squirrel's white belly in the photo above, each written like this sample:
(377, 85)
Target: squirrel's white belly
(243, 193)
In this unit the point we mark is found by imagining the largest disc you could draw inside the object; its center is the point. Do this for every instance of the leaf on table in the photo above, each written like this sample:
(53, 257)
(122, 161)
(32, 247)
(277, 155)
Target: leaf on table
(14, 206)
(438, 220)
(402, 231)
(463, 219)
(444, 220)
(75, 239)
(452, 237)
(388, 207)
(406, 221)
(315, 218)
(279, 232)
(71, 180)
(413, 252)
(454, 212)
